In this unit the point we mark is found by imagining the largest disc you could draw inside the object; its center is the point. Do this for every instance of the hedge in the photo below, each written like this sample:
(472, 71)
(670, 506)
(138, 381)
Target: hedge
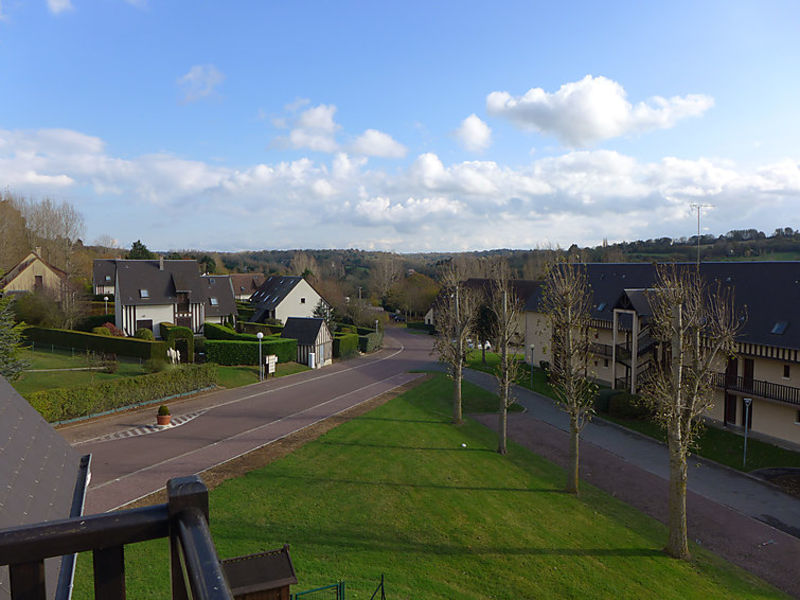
(121, 346)
(244, 312)
(345, 345)
(170, 333)
(230, 352)
(347, 328)
(370, 342)
(420, 325)
(70, 403)
(213, 331)
(89, 323)
(254, 328)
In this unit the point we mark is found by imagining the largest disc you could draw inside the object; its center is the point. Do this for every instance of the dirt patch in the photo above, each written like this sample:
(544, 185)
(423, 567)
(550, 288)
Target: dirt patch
(278, 449)
(786, 478)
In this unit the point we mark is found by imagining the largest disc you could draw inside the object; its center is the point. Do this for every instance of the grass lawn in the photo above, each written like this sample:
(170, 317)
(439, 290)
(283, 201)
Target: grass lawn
(32, 382)
(231, 377)
(394, 492)
(540, 385)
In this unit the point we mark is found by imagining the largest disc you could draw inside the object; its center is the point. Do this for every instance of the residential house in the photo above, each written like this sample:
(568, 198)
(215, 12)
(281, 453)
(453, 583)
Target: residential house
(766, 367)
(313, 336)
(220, 303)
(282, 296)
(103, 276)
(149, 292)
(245, 284)
(34, 274)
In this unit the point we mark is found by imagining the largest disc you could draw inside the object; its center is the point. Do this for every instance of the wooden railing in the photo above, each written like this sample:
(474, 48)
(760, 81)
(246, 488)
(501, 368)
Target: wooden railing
(758, 387)
(195, 567)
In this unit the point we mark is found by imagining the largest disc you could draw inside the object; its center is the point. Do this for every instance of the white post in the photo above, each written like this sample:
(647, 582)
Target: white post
(747, 402)
(105, 299)
(260, 335)
(614, 350)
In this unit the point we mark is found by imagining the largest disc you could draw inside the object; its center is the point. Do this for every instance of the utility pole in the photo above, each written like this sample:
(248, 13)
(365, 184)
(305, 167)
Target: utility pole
(699, 206)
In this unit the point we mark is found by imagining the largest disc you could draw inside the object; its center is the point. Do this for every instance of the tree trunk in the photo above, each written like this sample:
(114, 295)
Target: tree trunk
(502, 444)
(483, 352)
(574, 441)
(457, 376)
(678, 546)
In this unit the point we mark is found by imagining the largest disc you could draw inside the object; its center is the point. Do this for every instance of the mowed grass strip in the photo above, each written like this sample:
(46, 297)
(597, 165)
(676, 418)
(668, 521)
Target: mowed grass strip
(237, 376)
(394, 492)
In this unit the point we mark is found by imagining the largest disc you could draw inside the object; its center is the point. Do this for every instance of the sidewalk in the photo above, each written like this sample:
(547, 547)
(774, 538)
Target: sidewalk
(747, 522)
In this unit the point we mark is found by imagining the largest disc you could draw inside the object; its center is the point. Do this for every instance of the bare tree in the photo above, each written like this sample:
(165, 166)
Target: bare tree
(384, 273)
(454, 316)
(696, 327)
(506, 308)
(567, 301)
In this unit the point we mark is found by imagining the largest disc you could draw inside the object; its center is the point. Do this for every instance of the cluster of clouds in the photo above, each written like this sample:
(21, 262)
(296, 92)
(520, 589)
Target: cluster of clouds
(57, 7)
(584, 195)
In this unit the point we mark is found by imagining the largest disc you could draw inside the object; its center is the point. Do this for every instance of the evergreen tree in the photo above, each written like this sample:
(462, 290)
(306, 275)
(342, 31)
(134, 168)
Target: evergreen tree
(10, 364)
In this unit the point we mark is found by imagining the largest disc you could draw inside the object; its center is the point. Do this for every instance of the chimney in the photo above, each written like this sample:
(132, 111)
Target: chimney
(160, 263)
(38, 250)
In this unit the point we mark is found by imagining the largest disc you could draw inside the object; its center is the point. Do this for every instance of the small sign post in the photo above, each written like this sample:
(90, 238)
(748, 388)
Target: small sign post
(747, 402)
(272, 362)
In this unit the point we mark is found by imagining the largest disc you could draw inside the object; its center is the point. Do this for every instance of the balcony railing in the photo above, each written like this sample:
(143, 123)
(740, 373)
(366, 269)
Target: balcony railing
(195, 567)
(759, 388)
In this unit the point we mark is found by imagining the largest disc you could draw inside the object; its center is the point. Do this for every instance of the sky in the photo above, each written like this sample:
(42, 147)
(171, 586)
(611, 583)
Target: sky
(404, 126)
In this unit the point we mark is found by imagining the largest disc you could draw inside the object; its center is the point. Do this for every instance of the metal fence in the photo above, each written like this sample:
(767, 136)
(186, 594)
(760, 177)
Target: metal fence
(334, 591)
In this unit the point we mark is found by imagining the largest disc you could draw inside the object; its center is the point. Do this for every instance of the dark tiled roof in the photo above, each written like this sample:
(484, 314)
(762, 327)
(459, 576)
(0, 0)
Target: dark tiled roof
(162, 286)
(24, 264)
(246, 283)
(260, 572)
(272, 292)
(304, 330)
(219, 287)
(104, 271)
(769, 292)
(38, 472)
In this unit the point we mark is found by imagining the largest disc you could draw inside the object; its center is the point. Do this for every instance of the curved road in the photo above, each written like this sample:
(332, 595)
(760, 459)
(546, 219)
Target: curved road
(236, 421)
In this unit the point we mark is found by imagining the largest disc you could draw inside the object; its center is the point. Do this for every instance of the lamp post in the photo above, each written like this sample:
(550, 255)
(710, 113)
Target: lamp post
(105, 299)
(260, 335)
(747, 402)
(531, 367)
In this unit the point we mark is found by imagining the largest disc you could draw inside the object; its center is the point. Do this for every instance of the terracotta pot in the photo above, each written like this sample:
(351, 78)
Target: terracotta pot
(163, 419)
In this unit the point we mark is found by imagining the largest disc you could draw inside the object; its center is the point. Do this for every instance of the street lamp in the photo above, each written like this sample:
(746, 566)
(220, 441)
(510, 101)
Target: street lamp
(531, 367)
(747, 402)
(105, 299)
(260, 335)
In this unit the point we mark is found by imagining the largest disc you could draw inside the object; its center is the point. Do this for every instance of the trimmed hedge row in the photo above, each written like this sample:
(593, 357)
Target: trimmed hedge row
(170, 333)
(90, 322)
(218, 332)
(97, 343)
(230, 352)
(347, 328)
(70, 403)
(345, 345)
(370, 342)
(254, 328)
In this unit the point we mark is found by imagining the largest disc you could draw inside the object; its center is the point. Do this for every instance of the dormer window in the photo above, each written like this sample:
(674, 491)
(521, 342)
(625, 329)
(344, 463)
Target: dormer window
(779, 328)
(214, 302)
(601, 307)
(108, 277)
(144, 293)
(211, 281)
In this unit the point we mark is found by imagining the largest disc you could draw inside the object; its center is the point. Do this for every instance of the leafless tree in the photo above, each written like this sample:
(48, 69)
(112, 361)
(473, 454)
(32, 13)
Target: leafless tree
(384, 273)
(55, 228)
(696, 326)
(506, 308)
(567, 300)
(454, 316)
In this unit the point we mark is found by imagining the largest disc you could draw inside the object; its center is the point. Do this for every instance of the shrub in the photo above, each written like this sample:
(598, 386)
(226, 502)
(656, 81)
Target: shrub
(170, 333)
(90, 322)
(345, 345)
(101, 331)
(115, 331)
(144, 334)
(628, 406)
(232, 352)
(214, 331)
(38, 309)
(163, 410)
(109, 363)
(253, 328)
(69, 403)
(370, 342)
(100, 344)
(602, 398)
(347, 328)
(155, 365)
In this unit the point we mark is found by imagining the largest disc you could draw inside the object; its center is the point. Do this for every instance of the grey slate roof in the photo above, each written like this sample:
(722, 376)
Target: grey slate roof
(162, 286)
(273, 291)
(220, 288)
(304, 330)
(38, 473)
(768, 291)
(103, 271)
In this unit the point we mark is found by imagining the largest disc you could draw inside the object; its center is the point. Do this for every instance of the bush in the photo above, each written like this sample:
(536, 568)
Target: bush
(115, 331)
(70, 403)
(231, 352)
(100, 344)
(602, 398)
(370, 342)
(628, 406)
(89, 323)
(213, 331)
(170, 333)
(38, 309)
(253, 328)
(345, 345)
(101, 331)
(155, 365)
(163, 410)
(347, 328)
(144, 334)
(109, 363)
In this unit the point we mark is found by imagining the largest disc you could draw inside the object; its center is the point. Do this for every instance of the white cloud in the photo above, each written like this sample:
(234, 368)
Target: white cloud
(377, 143)
(579, 196)
(583, 112)
(200, 82)
(315, 129)
(59, 6)
(474, 134)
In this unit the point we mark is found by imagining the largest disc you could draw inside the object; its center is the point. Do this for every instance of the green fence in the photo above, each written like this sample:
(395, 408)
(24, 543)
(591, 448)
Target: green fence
(334, 591)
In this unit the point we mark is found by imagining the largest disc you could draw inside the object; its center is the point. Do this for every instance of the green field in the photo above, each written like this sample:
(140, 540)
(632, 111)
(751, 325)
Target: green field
(394, 492)
(231, 377)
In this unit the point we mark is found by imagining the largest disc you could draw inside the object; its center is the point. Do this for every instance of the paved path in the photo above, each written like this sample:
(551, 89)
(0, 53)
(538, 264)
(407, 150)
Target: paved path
(232, 422)
(728, 512)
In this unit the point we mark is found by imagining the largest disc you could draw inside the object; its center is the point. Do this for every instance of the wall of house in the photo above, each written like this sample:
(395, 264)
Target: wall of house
(104, 289)
(127, 316)
(300, 302)
(775, 419)
(26, 280)
(537, 332)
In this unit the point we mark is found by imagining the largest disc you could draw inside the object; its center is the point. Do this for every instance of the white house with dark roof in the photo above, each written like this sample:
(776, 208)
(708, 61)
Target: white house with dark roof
(312, 335)
(281, 297)
(104, 271)
(149, 292)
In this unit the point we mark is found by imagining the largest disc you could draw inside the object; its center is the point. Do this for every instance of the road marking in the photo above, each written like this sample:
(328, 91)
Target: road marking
(145, 429)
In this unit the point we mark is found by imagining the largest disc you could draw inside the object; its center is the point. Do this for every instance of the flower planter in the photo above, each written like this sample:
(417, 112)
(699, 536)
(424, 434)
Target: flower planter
(163, 419)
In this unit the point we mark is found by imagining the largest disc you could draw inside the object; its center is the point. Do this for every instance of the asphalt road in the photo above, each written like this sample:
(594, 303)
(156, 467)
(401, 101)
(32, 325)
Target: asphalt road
(234, 422)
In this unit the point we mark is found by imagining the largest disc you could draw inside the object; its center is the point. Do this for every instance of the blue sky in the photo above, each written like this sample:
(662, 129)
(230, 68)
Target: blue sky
(402, 126)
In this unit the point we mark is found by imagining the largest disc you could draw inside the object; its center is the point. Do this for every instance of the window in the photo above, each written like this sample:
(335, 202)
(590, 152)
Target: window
(786, 371)
(605, 362)
(601, 307)
(108, 277)
(780, 327)
(302, 300)
(144, 293)
(214, 302)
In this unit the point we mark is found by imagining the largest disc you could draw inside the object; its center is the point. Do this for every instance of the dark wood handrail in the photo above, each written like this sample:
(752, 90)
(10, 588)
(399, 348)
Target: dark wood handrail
(759, 387)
